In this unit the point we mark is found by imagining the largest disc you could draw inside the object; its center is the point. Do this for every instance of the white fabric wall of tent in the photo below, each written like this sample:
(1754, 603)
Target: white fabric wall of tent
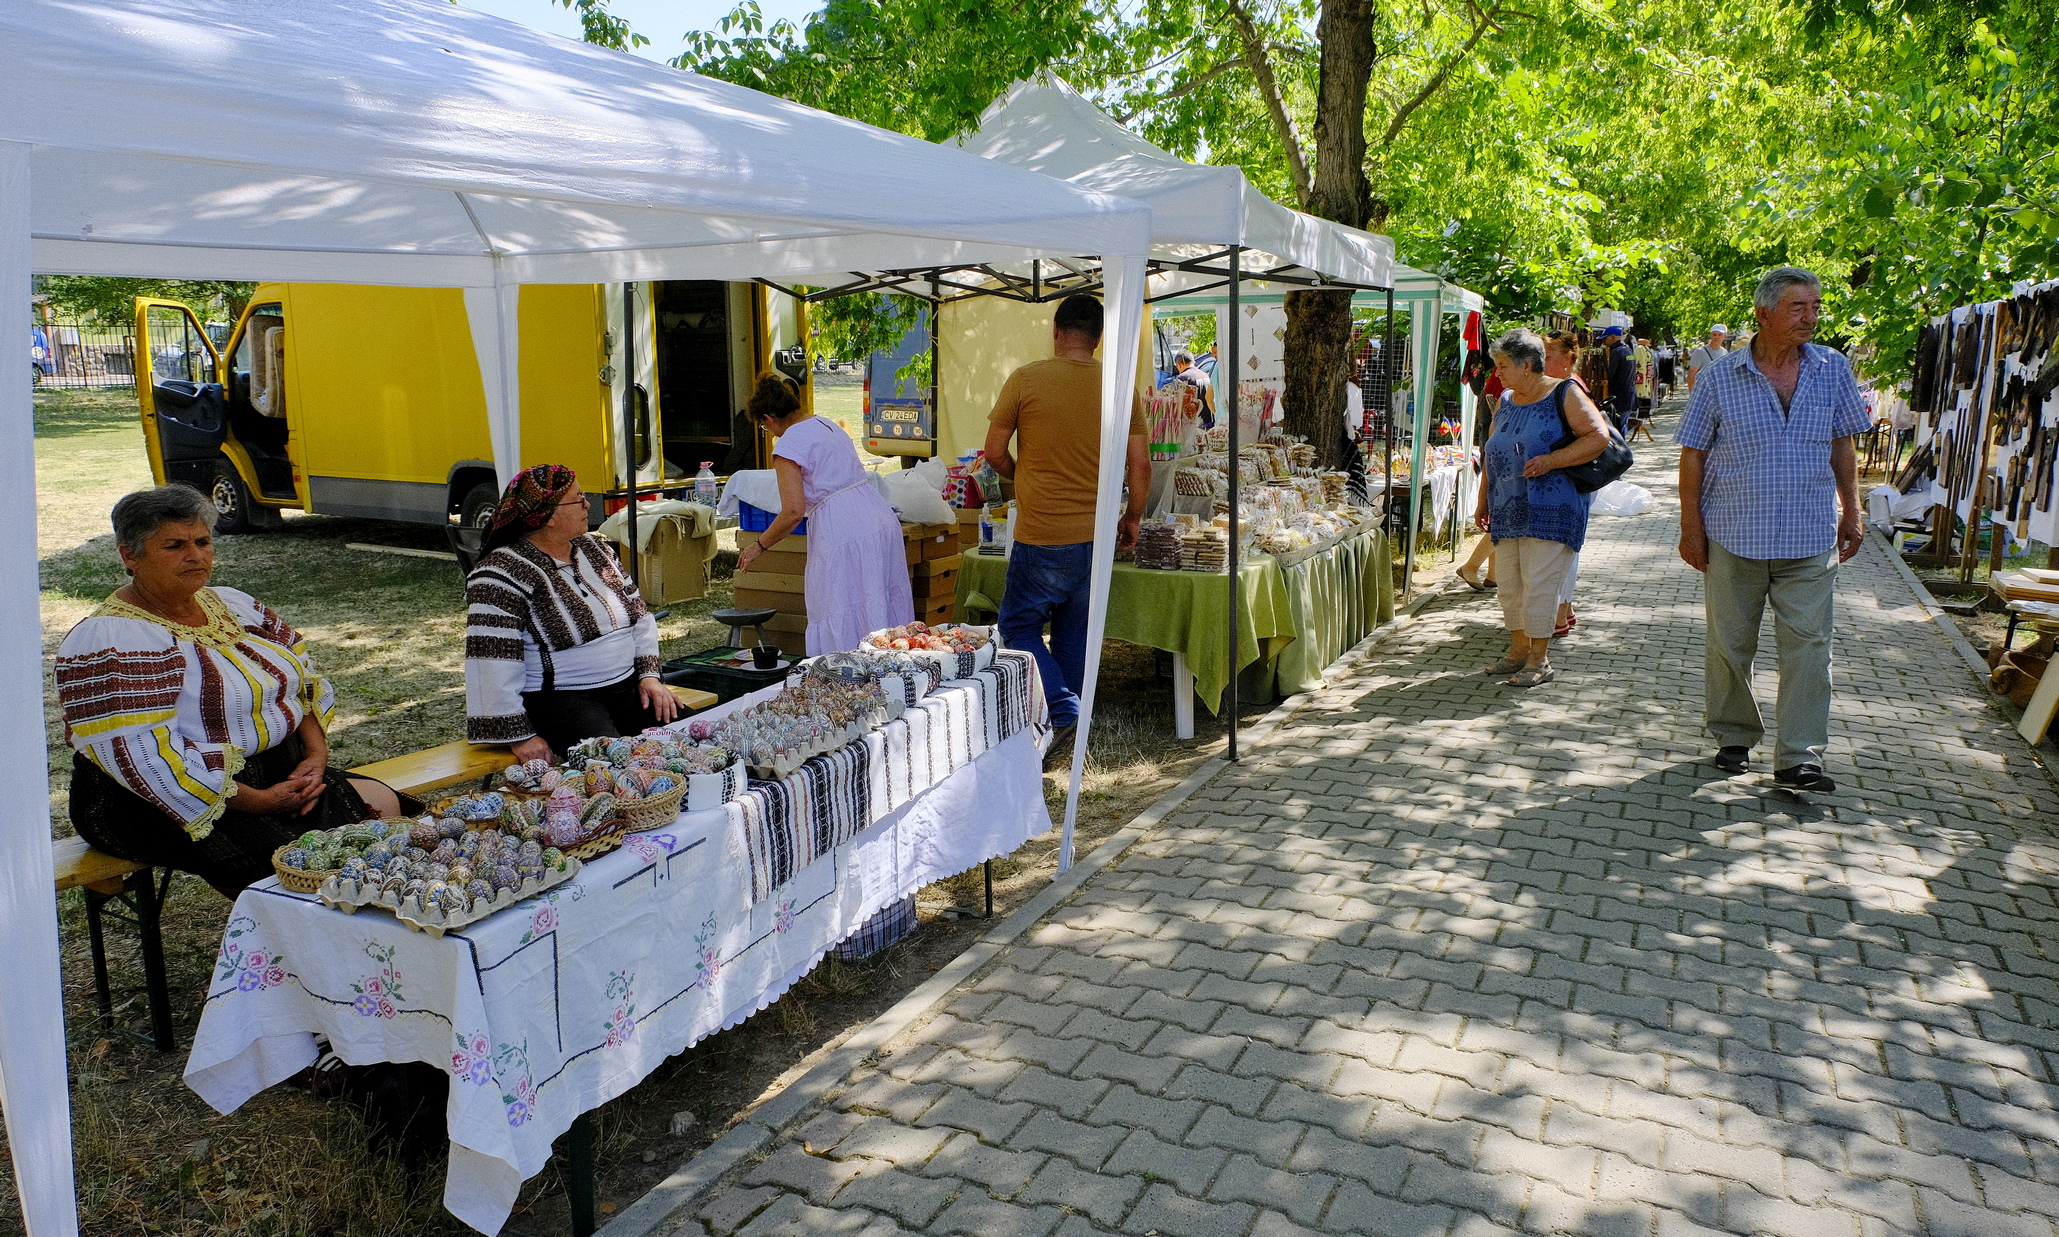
(174, 138)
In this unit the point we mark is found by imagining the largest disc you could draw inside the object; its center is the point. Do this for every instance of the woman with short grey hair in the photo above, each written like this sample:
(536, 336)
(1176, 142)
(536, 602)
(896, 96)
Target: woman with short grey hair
(1536, 517)
(196, 716)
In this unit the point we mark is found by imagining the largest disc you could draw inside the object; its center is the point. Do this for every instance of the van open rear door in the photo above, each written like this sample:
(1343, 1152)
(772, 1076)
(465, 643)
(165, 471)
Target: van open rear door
(179, 392)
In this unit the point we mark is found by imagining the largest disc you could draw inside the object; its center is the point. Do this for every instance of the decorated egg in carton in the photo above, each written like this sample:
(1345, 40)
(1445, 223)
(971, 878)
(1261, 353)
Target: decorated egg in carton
(526, 777)
(439, 906)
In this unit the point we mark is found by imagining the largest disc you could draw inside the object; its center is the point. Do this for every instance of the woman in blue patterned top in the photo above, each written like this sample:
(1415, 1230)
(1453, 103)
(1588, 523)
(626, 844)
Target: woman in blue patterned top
(1536, 517)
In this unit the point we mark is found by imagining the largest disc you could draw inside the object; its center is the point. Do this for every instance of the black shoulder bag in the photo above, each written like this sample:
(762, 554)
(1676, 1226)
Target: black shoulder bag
(1614, 460)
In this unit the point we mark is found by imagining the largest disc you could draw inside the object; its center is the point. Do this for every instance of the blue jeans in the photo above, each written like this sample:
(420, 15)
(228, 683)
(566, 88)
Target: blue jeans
(1048, 584)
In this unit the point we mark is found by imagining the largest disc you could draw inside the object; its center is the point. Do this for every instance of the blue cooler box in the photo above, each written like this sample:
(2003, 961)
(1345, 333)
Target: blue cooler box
(757, 519)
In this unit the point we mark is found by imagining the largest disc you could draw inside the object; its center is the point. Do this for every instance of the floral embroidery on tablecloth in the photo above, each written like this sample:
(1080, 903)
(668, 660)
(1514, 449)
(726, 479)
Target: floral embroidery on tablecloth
(648, 847)
(472, 1060)
(379, 994)
(707, 959)
(249, 964)
(622, 991)
(543, 911)
(783, 921)
(520, 1098)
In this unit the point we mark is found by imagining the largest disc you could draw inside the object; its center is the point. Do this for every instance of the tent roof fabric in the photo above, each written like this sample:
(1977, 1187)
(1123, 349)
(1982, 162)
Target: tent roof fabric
(411, 141)
(1047, 126)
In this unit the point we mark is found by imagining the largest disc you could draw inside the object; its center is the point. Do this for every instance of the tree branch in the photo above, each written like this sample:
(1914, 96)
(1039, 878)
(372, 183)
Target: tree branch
(1275, 104)
(1193, 85)
(1484, 22)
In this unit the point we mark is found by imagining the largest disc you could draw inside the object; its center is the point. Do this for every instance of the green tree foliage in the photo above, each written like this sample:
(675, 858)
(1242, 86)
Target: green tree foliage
(111, 299)
(1561, 155)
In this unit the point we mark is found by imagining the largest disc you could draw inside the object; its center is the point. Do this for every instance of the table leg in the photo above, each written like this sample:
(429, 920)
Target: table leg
(2009, 636)
(1182, 697)
(149, 898)
(990, 888)
(579, 1176)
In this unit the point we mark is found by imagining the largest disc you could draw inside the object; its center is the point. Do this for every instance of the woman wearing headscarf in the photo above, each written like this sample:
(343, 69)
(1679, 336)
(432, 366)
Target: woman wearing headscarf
(1530, 508)
(857, 566)
(559, 645)
(196, 715)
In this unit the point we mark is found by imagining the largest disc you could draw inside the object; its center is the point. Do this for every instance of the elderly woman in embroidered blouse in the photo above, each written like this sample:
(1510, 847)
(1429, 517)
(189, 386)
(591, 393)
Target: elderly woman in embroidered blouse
(196, 715)
(559, 645)
(857, 578)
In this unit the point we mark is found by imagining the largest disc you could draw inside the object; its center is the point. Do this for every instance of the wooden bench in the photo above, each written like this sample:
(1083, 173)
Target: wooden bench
(139, 890)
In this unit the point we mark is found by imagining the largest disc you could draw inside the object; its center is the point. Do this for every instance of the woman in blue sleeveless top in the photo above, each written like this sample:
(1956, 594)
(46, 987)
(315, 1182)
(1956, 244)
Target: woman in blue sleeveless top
(1536, 517)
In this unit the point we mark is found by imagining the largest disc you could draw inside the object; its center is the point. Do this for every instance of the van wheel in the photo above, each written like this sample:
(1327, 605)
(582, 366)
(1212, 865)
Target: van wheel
(234, 511)
(476, 511)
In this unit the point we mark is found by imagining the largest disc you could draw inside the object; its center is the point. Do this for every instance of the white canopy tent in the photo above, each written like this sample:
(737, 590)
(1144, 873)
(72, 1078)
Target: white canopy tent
(418, 143)
(1210, 228)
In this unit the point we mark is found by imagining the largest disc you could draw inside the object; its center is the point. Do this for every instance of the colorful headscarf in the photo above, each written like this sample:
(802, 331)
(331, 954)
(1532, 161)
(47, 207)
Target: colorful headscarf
(529, 502)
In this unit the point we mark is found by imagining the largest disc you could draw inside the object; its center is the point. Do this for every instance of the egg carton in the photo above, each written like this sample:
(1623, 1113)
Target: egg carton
(783, 767)
(432, 921)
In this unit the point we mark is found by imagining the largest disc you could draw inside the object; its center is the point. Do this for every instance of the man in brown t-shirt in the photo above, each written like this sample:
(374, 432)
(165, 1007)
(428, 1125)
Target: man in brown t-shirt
(1052, 410)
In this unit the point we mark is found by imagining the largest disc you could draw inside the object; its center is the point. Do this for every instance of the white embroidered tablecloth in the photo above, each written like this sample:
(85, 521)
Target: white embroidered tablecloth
(562, 1002)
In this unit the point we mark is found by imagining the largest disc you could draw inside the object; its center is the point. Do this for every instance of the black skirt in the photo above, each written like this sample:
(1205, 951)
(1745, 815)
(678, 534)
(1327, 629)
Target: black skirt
(565, 716)
(117, 821)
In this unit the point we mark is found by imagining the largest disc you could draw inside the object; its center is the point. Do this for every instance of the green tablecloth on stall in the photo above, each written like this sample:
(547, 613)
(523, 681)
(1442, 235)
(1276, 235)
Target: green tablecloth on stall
(1293, 621)
(1336, 598)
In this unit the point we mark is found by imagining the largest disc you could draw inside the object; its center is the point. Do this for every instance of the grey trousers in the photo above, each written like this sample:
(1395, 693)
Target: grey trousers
(1802, 591)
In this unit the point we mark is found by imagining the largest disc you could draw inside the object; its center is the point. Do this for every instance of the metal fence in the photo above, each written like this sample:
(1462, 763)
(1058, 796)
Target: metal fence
(77, 354)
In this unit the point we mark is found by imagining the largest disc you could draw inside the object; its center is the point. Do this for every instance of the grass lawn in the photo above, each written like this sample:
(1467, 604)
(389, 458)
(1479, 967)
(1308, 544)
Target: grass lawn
(152, 1158)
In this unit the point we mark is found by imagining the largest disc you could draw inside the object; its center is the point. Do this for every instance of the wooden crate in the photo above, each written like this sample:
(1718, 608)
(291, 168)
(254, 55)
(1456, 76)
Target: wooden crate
(928, 589)
(936, 613)
(937, 566)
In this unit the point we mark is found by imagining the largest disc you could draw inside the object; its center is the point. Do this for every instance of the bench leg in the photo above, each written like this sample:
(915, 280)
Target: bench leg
(149, 893)
(94, 936)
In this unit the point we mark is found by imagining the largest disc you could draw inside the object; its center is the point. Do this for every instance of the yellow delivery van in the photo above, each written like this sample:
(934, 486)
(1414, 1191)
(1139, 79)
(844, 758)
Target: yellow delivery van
(354, 400)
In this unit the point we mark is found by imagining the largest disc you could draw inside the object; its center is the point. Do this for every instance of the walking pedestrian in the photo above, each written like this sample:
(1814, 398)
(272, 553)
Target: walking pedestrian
(1769, 506)
(1536, 517)
(1561, 348)
(1051, 411)
(1703, 355)
(1621, 391)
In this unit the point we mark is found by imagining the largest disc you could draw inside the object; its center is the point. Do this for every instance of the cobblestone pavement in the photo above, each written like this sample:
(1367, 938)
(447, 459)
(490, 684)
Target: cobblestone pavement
(1445, 957)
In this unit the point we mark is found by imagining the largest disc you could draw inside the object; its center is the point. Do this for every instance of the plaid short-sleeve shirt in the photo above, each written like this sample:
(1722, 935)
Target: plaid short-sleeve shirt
(1767, 488)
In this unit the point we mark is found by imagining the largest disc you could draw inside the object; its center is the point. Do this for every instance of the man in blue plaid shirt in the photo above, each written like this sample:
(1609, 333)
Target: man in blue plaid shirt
(1769, 506)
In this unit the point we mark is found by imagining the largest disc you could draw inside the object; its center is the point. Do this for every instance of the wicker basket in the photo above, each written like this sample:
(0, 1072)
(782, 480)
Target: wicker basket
(654, 812)
(295, 879)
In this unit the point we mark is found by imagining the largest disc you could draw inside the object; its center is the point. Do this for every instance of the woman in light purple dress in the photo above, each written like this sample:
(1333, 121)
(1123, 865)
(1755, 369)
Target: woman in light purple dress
(857, 565)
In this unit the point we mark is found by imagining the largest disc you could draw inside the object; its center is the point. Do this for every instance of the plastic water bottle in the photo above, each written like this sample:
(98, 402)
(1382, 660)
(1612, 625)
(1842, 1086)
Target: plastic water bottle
(704, 484)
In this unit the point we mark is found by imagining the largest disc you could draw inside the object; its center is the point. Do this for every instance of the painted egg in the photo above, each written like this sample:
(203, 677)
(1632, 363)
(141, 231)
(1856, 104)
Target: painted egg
(376, 860)
(445, 854)
(424, 835)
(414, 854)
(530, 850)
(551, 780)
(478, 890)
(660, 784)
(506, 877)
(450, 827)
(597, 809)
(530, 871)
(311, 839)
(565, 831)
(393, 887)
(359, 835)
(354, 869)
(413, 888)
(436, 871)
(629, 793)
(534, 833)
(553, 858)
(296, 857)
(451, 900)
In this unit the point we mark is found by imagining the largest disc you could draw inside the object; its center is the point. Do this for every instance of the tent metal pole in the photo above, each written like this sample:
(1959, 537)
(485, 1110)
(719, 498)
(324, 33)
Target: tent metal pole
(936, 416)
(1236, 466)
(1387, 409)
(629, 418)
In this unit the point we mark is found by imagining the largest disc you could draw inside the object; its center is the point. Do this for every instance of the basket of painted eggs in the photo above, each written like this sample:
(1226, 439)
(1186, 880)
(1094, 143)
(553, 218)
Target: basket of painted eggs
(709, 774)
(961, 650)
(436, 875)
(315, 856)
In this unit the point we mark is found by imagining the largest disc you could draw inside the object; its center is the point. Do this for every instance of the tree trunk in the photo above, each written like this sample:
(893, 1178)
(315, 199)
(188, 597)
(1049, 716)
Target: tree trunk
(1318, 343)
(1318, 329)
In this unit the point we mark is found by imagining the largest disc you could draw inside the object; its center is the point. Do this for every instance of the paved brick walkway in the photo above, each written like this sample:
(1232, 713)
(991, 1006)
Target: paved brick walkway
(1443, 957)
